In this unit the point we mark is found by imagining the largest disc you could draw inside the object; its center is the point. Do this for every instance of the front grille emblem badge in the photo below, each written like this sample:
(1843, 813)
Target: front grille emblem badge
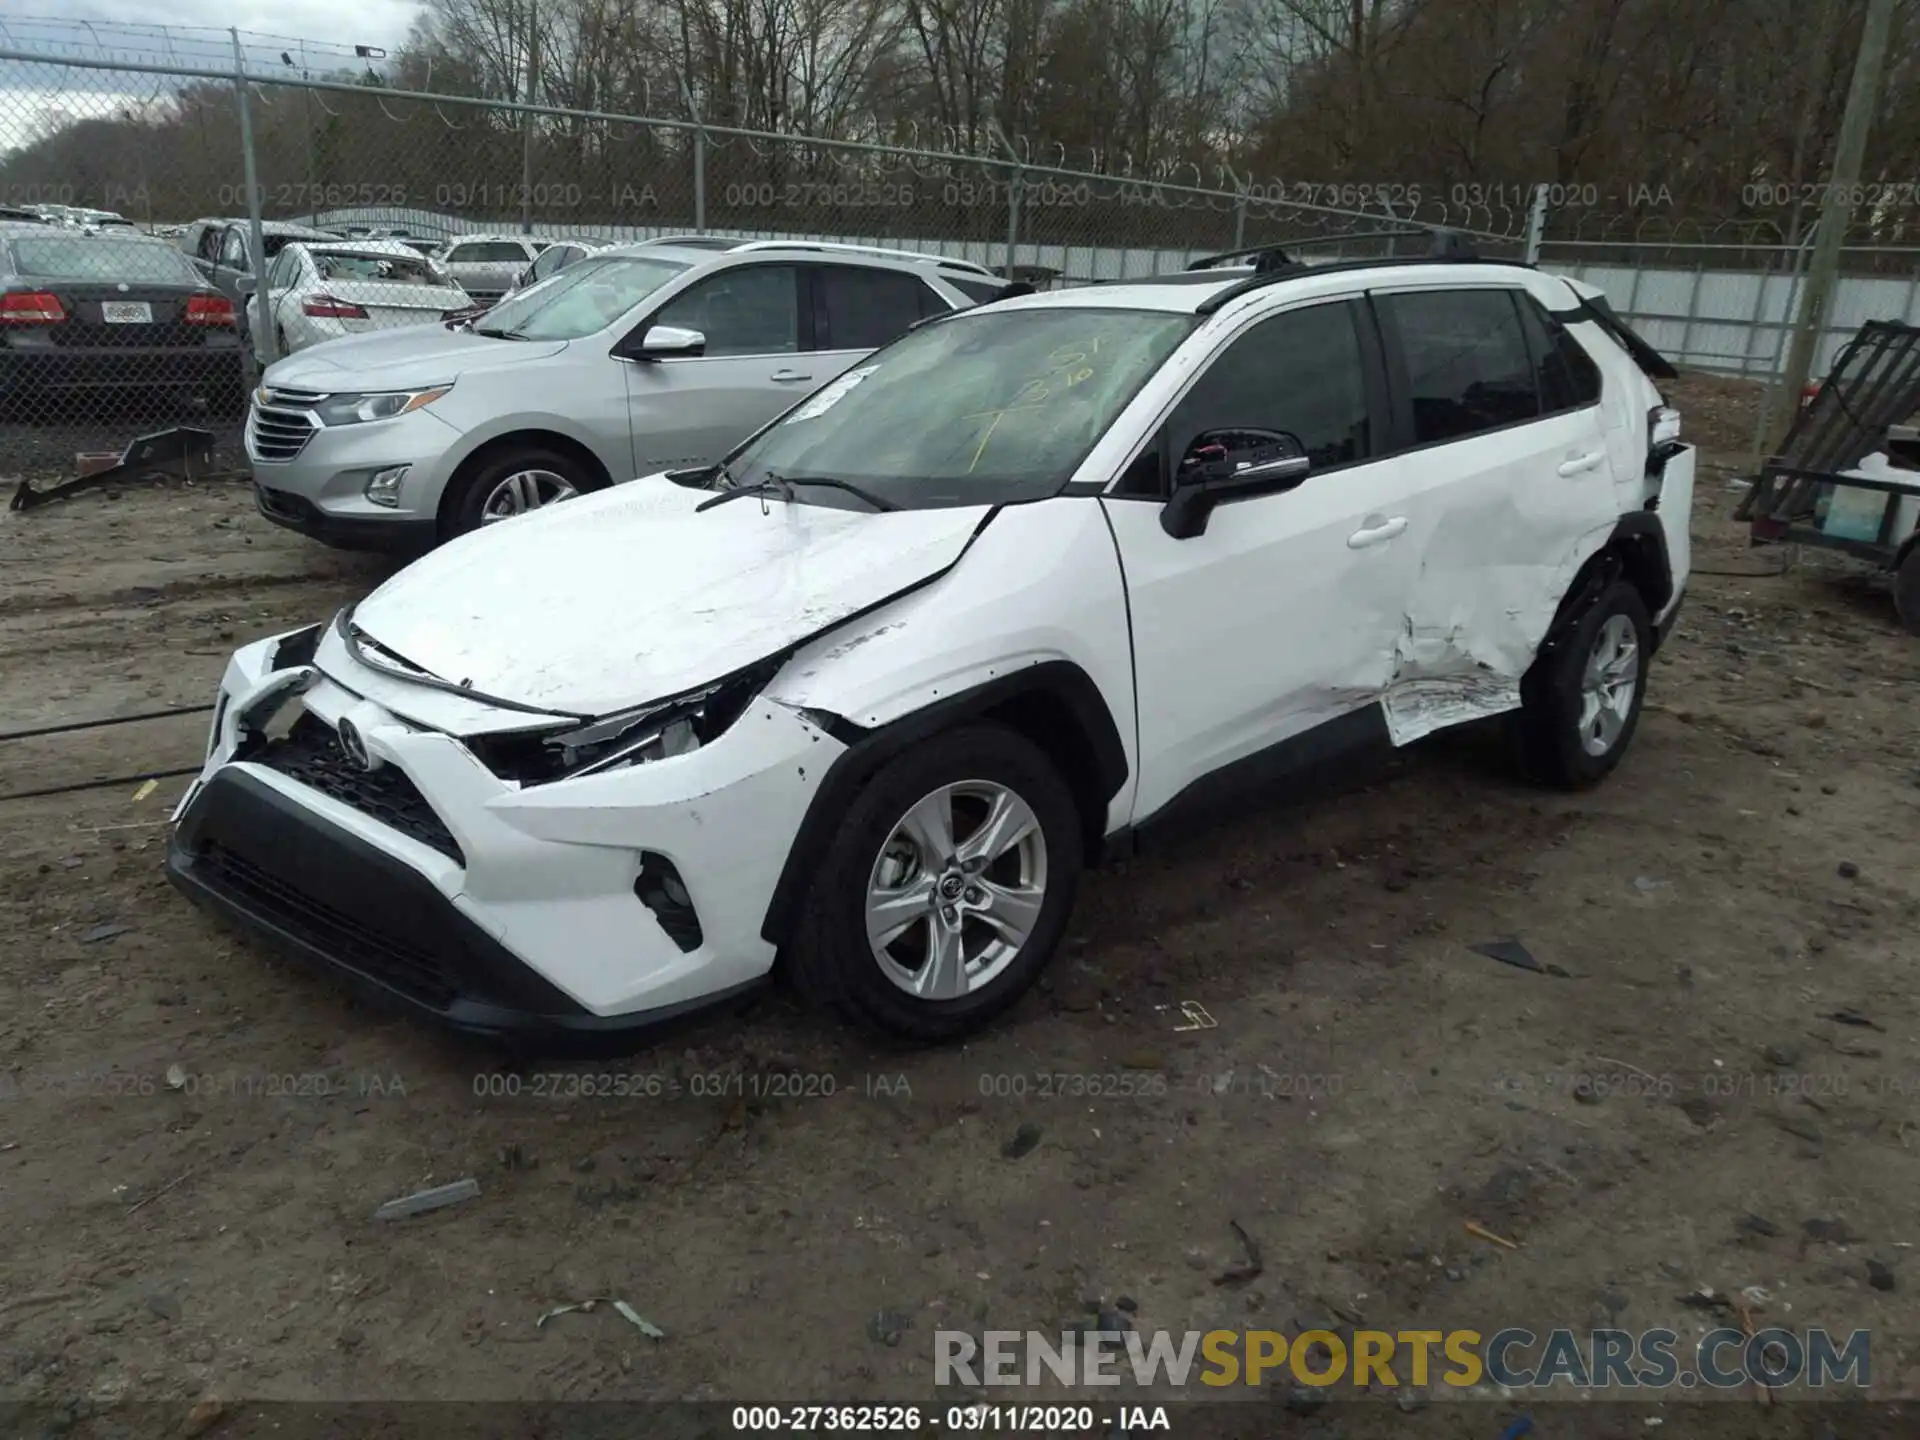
(355, 744)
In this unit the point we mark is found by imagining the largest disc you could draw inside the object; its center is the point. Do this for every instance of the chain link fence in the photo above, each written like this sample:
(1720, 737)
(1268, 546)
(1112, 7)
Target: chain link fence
(176, 182)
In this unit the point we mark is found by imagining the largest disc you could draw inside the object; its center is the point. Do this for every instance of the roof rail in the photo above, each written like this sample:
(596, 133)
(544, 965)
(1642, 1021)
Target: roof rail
(841, 247)
(1447, 253)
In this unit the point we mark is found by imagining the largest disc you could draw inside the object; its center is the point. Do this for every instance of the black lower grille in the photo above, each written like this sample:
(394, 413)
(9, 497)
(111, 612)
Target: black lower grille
(311, 754)
(415, 972)
(660, 888)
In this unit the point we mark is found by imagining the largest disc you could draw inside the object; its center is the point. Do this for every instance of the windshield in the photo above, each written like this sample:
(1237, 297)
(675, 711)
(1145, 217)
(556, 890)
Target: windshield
(581, 300)
(99, 258)
(980, 409)
(405, 269)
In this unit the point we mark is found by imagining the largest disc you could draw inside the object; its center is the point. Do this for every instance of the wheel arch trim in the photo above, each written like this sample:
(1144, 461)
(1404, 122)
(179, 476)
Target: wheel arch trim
(1060, 685)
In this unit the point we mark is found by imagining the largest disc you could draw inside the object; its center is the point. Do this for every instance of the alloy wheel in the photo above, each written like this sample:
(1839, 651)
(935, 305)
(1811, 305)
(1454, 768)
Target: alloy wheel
(1608, 685)
(956, 890)
(522, 491)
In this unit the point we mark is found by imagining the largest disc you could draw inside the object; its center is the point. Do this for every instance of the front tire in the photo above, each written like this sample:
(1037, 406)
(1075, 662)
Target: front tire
(514, 481)
(946, 888)
(1581, 700)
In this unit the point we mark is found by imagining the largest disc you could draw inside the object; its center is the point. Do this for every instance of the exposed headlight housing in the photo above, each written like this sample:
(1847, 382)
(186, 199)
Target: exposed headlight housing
(381, 405)
(656, 731)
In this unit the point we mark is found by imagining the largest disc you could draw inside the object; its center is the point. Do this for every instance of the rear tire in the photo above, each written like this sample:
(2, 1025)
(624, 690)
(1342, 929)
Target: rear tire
(1906, 590)
(513, 480)
(919, 945)
(1581, 700)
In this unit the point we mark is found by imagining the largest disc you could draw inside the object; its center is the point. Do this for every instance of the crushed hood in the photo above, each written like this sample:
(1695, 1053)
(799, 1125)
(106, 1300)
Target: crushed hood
(406, 359)
(629, 596)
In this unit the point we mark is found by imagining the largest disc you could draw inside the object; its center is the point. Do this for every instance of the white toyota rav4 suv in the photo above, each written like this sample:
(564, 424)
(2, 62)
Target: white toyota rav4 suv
(864, 699)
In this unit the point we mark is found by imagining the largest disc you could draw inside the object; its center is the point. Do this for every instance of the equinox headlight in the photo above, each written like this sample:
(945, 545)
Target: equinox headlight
(383, 405)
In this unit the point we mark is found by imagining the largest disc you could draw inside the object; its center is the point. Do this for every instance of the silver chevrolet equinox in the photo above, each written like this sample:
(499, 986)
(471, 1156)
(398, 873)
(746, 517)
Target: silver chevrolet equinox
(633, 360)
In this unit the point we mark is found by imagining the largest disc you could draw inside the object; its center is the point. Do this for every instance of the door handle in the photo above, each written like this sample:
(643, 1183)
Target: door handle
(1580, 464)
(1377, 533)
(788, 377)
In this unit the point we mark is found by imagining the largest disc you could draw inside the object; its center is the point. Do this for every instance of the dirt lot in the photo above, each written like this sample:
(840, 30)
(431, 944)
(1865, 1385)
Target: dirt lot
(1371, 1083)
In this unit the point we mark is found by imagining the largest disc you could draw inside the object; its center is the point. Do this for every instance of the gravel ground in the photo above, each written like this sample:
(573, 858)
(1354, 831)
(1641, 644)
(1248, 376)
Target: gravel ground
(1734, 913)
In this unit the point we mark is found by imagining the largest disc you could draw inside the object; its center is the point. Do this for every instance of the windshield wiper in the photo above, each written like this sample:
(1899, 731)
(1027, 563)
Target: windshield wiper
(835, 483)
(497, 334)
(772, 485)
(782, 485)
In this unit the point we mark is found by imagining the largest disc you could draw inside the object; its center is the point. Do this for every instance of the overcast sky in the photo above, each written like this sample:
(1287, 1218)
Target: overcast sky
(49, 26)
(190, 33)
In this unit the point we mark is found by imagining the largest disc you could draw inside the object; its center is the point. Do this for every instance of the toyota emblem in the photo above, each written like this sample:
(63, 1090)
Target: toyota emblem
(355, 744)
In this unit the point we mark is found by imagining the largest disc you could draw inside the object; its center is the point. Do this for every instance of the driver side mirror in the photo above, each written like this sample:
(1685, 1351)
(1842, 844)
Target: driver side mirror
(669, 342)
(246, 285)
(1226, 465)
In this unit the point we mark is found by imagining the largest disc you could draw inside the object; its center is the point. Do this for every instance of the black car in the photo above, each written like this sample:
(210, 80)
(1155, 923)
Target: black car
(96, 313)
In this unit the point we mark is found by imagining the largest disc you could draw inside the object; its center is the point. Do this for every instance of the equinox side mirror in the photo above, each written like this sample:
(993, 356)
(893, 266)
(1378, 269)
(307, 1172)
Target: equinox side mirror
(669, 342)
(1225, 465)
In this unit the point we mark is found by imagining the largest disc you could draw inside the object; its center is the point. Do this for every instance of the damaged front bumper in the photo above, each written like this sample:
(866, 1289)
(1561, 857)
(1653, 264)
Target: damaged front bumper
(378, 846)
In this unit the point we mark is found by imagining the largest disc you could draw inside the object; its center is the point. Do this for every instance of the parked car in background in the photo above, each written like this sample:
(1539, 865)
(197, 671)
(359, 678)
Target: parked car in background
(319, 291)
(629, 361)
(488, 266)
(224, 250)
(111, 312)
(1029, 584)
(22, 215)
(555, 258)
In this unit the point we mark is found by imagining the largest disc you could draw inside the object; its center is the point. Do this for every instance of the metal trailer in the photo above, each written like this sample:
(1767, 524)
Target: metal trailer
(1813, 492)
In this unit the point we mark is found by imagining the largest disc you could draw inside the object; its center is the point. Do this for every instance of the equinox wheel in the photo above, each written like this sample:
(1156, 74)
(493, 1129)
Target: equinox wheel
(514, 481)
(946, 888)
(1581, 701)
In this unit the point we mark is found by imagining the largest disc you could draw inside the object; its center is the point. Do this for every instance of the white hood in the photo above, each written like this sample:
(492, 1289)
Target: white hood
(629, 596)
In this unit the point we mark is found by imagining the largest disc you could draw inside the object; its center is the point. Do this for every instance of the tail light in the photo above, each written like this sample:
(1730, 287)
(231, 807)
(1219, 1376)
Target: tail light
(1663, 426)
(209, 310)
(34, 308)
(326, 307)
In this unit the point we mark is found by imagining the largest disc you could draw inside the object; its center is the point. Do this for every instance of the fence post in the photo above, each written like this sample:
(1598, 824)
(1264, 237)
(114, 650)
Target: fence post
(1763, 423)
(262, 348)
(699, 180)
(699, 158)
(1536, 224)
(1239, 209)
(527, 117)
(1693, 310)
(1014, 185)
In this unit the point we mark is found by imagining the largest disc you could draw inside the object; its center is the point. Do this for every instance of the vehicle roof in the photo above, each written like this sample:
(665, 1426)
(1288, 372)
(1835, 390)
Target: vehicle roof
(710, 256)
(1187, 292)
(381, 245)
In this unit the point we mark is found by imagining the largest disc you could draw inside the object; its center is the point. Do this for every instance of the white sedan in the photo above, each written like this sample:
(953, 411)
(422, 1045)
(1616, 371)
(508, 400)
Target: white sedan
(320, 291)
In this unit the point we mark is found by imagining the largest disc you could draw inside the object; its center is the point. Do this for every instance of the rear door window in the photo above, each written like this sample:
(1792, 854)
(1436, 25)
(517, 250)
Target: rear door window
(1568, 378)
(1465, 362)
(856, 308)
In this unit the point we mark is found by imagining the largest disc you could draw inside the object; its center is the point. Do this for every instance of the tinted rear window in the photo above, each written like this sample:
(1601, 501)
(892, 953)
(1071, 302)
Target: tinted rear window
(59, 257)
(485, 252)
(339, 265)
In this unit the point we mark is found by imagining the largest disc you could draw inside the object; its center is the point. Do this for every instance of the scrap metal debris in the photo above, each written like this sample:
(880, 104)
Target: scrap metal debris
(183, 450)
(1196, 1016)
(421, 1201)
(620, 1307)
(104, 932)
(1251, 1268)
(1512, 952)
